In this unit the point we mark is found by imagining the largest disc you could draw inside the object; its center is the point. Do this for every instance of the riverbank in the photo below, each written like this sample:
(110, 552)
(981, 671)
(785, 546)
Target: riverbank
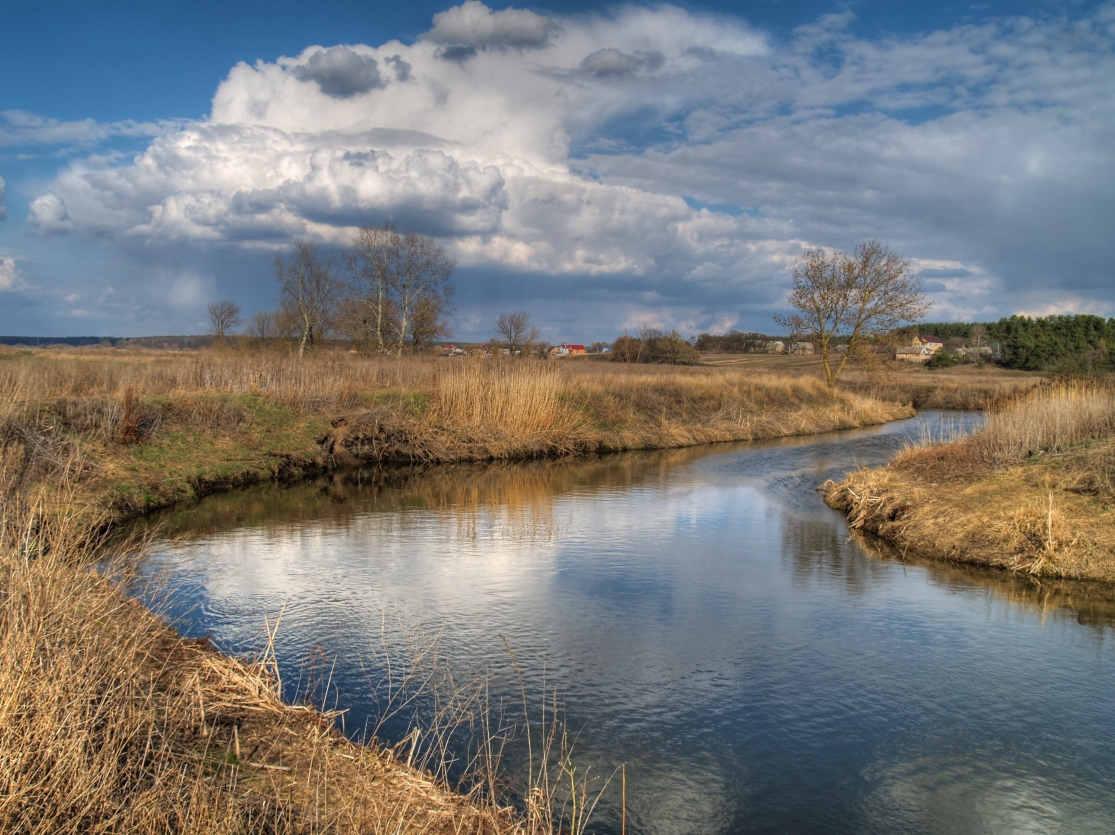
(140, 432)
(110, 722)
(1033, 491)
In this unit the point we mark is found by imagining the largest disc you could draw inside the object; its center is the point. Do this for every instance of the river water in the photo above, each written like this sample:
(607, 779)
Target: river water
(705, 619)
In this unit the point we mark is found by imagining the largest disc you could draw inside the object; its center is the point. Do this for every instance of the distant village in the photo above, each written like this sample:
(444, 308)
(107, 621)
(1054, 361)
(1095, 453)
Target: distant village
(1068, 343)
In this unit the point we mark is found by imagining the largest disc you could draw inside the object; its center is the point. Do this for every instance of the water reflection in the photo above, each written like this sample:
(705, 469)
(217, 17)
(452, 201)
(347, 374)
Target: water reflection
(709, 622)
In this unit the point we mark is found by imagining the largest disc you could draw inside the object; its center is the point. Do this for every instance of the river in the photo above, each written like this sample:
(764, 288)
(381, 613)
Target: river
(705, 619)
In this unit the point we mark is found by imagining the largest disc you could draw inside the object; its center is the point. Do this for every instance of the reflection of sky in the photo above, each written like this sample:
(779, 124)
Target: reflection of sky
(712, 625)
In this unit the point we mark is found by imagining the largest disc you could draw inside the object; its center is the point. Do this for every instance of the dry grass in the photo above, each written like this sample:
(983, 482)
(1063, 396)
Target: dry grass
(1033, 491)
(960, 387)
(151, 428)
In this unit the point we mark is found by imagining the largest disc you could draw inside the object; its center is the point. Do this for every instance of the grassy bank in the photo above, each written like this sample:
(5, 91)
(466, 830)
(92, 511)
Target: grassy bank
(1033, 491)
(141, 431)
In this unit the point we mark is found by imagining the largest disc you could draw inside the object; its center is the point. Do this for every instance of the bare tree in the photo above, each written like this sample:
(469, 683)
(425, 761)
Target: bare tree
(517, 332)
(224, 317)
(429, 321)
(422, 274)
(309, 290)
(977, 336)
(261, 327)
(371, 264)
(400, 289)
(860, 295)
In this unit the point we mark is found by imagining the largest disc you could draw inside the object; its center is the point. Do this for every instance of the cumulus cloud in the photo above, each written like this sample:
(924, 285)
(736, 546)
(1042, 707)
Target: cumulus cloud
(474, 26)
(49, 216)
(341, 73)
(563, 148)
(9, 275)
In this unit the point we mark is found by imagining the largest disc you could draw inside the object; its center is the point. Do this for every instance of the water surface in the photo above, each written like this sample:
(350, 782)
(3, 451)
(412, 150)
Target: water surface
(708, 621)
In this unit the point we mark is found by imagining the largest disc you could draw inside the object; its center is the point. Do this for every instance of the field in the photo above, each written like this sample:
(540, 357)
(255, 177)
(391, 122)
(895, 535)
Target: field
(133, 431)
(960, 387)
(1033, 492)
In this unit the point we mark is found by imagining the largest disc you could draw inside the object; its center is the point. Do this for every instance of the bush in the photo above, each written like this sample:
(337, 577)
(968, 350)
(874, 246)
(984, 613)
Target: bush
(945, 359)
(657, 347)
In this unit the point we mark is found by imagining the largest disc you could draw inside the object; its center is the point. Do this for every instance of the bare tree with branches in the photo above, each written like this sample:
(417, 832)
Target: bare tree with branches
(224, 317)
(861, 295)
(517, 332)
(309, 291)
(400, 289)
(429, 321)
(261, 327)
(371, 267)
(422, 274)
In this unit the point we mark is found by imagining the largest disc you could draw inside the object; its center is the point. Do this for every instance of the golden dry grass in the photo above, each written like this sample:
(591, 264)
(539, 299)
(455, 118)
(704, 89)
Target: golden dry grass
(1033, 491)
(960, 387)
(150, 428)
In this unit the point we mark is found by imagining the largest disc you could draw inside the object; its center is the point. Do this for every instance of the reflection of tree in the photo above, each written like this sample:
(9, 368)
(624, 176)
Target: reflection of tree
(819, 549)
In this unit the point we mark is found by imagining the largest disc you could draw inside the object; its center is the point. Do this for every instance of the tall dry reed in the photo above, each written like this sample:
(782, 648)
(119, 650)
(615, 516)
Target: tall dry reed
(522, 395)
(1050, 419)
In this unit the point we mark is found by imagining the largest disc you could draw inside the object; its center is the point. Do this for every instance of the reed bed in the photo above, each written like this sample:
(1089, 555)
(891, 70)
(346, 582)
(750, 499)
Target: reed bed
(1032, 491)
(504, 396)
(1048, 420)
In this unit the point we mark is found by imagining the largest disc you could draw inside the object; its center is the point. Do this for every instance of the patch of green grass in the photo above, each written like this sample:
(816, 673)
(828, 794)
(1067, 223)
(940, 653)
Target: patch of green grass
(406, 401)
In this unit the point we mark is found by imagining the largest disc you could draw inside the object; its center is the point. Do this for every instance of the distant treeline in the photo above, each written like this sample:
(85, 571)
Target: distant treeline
(56, 340)
(180, 342)
(734, 342)
(1071, 343)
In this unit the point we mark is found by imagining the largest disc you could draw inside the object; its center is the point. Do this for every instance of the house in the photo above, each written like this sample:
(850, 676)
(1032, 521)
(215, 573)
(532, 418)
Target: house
(567, 350)
(913, 353)
(920, 349)
(933, 343)
(776, 347)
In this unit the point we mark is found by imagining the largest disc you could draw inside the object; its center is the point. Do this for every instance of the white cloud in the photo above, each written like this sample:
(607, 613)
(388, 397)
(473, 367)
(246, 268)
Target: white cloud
(563, 146)
(10, 279)
(18, 127)
(3, 195)
(473, 25)
(49, 217)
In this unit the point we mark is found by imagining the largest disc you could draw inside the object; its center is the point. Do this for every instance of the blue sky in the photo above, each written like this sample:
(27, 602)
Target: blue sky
(599, 166)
